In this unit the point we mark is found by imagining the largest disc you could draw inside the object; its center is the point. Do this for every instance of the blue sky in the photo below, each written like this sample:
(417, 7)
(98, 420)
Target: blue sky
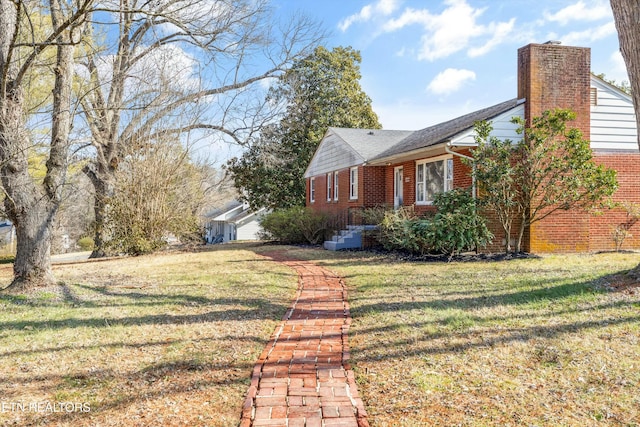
(427, 61)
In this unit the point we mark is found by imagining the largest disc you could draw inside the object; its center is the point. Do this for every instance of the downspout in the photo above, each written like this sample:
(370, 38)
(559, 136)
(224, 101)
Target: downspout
(447, 148)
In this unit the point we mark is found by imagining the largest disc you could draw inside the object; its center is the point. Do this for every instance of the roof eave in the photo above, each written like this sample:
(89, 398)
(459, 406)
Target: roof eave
(409, 155)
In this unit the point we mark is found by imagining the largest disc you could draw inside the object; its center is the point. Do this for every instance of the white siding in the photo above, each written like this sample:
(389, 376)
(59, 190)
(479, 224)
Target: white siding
(332, 154)
(248, 230)
(613, 125)
(502, 128)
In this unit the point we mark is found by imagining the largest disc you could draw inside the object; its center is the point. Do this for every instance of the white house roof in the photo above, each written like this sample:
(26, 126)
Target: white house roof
(342, 148)
(221, 214)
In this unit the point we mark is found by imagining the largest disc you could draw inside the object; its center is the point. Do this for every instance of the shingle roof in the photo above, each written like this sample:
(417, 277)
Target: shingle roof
(442, 132)
(226, 208)
(342, 148)
(369, 143)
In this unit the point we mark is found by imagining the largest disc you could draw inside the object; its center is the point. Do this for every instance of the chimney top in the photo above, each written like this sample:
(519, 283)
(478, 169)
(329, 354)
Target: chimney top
(554, 42)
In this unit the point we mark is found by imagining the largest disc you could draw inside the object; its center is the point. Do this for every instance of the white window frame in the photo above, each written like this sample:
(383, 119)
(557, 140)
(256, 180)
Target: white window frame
(312, 190)
(336, 189)
(447, 178)
(329, 186)
(353, 183)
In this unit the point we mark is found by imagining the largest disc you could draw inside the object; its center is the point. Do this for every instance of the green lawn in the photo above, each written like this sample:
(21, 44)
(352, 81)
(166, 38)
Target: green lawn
(150, 341)
(171, 339)
(534, 342)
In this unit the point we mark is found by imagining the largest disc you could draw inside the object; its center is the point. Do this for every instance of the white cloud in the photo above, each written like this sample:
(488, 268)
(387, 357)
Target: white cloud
(450, 80)
(580, 11)
(456, 28)
(618, 69)
(501, 32)
(587, 36)
(368, 12)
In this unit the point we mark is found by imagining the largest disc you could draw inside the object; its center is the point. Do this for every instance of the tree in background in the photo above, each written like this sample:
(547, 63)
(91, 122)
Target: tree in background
(550, 169)
(158, 193)
(176, 68)
(320, 91)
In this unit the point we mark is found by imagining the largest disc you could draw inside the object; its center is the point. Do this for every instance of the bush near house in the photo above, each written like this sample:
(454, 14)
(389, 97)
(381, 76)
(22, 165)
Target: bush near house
(455, 227)
(297, 225)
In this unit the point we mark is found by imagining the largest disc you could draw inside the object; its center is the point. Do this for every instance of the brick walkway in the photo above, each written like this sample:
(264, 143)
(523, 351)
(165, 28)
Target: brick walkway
(303, 376)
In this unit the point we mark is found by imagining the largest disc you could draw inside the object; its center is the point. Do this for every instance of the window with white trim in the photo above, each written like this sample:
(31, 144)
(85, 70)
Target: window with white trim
(329, 187)
(312, 190)
(433, 176)
(335, 186)
(353, 183)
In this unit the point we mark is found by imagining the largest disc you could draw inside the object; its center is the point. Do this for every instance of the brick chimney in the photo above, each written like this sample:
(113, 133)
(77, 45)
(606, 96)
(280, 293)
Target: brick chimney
(554, 76)
(550, 76)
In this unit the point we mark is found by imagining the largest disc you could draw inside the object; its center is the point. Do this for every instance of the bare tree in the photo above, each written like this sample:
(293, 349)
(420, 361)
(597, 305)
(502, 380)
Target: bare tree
(31, 204)
(158, 193)
(198, 59)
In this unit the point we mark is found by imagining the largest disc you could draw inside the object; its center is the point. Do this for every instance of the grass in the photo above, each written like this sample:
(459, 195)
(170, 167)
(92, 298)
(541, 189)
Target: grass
(171, 339)
(155, 340)
(535, 342)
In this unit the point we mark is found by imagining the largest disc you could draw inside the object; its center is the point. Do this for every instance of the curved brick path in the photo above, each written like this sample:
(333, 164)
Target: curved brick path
(303, 377)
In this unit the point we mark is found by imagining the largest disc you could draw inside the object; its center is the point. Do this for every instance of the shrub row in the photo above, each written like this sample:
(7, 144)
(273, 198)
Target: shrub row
(297, 225)
(455, 227)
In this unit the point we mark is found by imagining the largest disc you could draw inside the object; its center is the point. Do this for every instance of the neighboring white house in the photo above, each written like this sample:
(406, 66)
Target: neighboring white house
(234, 221)
(7, 236)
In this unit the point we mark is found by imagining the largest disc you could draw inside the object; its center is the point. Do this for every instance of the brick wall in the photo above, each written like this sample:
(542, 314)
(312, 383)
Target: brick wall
(373, 185)
(601, 226)
(555, 76)
(371, 190)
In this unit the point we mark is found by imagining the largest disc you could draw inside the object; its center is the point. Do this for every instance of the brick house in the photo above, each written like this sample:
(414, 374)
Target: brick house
(354, 169)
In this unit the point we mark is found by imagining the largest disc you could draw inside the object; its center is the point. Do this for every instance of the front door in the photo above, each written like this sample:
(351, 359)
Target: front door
(397, 187)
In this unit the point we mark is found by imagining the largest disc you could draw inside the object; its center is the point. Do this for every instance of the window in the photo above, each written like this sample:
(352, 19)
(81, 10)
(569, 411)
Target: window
(353, 183)
(335, 186)
(433, 176)
(329, 187)
(312, 190)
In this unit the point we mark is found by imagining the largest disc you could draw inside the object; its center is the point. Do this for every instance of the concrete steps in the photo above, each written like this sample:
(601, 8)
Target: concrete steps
(345, 239)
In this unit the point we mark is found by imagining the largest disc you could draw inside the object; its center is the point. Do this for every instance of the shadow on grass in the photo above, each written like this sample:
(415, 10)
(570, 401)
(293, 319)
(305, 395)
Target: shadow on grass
(407, 347)
(490, 330)
(137, 298)
(256, 309)
(545, 290)
(125, 345)
(249, 309)
(166, 380)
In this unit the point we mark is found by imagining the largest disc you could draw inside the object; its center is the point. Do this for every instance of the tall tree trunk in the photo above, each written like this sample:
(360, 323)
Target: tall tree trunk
(626, 14)
(32, 266)
(31, 206)
(26, 204)
(102, 181)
